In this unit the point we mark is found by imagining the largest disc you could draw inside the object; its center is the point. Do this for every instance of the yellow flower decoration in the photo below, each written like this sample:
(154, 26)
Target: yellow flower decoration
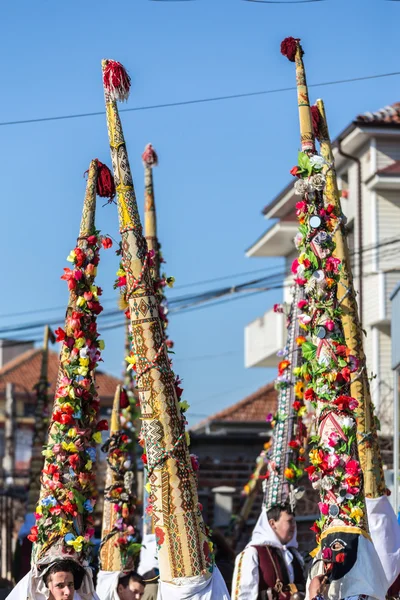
(131, 360)
(88, 465)
(187, 436)
(184, 405)
(77, 543)
(101, 344)
(47, 453)
(147, 487)
(81, 301)
(299, 389)
(84, 362)
(80, 342)
(97, 437)
(71, 256)
(315, 457)
(82, 371)
(72, 432)
(70, 447)
(302, 411)
(356, 513)
(170, 281)
(121, 273)
(246, 489)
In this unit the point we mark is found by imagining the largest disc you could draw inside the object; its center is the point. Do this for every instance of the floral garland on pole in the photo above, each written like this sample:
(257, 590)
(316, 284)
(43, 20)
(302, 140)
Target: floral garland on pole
(68, 494)
(335, 469)
(120, 488)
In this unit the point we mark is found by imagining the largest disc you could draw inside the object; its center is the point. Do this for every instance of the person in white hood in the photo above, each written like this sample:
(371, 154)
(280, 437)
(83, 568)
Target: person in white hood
(270, 565)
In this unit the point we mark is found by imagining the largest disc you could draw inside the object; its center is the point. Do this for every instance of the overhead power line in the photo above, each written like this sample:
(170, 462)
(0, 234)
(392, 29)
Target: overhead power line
(196, 101)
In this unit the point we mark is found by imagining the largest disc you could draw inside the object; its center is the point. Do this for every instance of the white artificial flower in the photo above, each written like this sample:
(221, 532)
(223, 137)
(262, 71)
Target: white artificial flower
(327, 482)
(83, 352)
(298, 239)
(347, 422)
(317, 181)
(301, 187)
(317, 161)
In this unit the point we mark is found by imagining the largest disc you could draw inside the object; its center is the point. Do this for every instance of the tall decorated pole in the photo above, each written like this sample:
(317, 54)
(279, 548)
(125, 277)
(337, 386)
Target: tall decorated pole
(183, 548)
(344, 549)
(384, 528)
(64, 522)
(368, 445)
(119, 547)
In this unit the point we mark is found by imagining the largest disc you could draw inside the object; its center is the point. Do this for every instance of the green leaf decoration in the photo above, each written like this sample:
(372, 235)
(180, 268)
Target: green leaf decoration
(309, 350)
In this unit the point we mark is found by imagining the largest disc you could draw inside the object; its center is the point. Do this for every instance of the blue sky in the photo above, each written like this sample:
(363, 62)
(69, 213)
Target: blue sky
(220, 162)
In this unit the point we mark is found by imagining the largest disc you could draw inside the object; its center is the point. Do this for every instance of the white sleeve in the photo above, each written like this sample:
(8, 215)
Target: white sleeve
(245, 577)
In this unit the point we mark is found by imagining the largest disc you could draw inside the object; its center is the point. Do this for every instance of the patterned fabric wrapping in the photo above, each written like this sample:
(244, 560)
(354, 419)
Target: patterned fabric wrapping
(180, 532)
(367, 437)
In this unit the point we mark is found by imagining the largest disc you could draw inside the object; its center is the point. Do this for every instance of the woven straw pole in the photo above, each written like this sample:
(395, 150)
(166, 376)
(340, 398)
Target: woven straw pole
(178, 523)
(306, 129)
(367, 438)
(150, 219)
(110, 557)
(150, 231)
(40, 430)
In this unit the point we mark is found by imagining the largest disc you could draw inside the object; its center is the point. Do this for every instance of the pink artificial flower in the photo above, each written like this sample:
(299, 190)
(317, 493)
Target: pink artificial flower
(295, 266)
(304, 319)
(323, 507)
(354, 363)
(333, 439)
(302, 304)
(331, 264)
(278, 308)
(329, 325)
(352, 467)
(300, 281)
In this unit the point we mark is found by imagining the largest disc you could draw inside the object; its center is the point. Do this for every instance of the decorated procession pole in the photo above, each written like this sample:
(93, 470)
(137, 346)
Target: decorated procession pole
(367, 437)
(383, 525)
(119, 548)
(183, 548)
(344, 543)
(64, 526)
(150, 160)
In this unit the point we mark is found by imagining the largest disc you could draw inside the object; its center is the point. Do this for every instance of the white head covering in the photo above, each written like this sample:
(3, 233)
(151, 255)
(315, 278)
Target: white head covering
(148, 554)
(32, 586)
(200, 588)
(366, 577)
(385, 533)
(107, 583)
(264, 535)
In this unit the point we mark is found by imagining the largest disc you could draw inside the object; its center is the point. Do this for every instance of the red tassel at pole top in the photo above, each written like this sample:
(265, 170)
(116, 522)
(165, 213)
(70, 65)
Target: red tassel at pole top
(116, 80)
(316, 121)
(149, 157)
(289, 47)
(105, 182)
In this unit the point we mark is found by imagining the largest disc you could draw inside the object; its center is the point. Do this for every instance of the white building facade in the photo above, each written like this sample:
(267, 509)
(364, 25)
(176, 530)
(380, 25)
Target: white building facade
(367, 156)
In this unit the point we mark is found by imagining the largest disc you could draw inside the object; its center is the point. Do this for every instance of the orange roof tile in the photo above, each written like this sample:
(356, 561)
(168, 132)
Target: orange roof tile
(252, 409)
(389, 115)
(23, 371)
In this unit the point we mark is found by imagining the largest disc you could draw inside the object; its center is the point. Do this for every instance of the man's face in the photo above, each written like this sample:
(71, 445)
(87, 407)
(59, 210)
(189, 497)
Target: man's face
(133, 591)
(61, 586)
(284, 527)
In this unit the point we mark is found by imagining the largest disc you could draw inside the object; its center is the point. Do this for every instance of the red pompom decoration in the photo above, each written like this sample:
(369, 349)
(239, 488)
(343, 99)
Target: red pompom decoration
(149, 156)
(289, 47)
(123, 399)
(316, 121)
(116, 80)
(105, 181)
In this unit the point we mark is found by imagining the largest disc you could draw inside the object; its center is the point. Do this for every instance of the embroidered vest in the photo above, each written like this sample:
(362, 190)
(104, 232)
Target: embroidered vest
(272, 567)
